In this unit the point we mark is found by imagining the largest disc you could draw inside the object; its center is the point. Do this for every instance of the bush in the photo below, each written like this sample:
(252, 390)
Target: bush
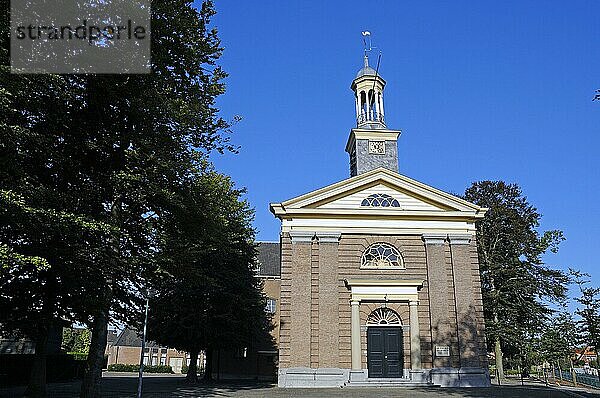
(184, 369)
(122, 367)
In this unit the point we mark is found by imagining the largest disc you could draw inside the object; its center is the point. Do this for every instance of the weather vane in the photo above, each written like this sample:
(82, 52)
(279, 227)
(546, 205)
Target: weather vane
(367, 36)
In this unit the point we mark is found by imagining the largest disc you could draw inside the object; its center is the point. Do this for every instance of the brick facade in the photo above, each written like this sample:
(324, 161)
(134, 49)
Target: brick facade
(316, 334)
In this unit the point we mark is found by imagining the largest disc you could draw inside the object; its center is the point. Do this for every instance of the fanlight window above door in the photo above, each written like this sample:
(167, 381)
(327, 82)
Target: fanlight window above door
(380, 255)
(383, 316)
(380, 200)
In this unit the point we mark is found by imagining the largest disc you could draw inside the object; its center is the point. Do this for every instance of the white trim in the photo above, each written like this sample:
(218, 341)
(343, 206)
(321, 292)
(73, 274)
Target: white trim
(328, 237)
(460, 239)
(301, 236)
(434, 239)
(371, 267)
(377, 226)
(379, 174)
(383, 290)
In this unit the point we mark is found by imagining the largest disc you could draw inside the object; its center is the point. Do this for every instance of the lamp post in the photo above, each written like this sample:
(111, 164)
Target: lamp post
(149, 293)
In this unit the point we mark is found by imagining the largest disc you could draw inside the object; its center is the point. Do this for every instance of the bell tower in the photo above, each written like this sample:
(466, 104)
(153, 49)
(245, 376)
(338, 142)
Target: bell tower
(371, 144)
(368, 95)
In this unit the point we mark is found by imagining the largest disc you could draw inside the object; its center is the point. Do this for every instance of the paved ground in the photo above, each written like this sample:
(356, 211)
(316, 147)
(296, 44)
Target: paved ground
(155, 386)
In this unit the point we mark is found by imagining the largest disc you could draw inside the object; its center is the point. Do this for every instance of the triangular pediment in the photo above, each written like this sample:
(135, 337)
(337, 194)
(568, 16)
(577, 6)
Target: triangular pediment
(379, 193)
(403, 194)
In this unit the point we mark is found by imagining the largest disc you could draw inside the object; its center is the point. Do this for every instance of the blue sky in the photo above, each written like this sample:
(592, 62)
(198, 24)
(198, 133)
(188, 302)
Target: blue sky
(481, 90)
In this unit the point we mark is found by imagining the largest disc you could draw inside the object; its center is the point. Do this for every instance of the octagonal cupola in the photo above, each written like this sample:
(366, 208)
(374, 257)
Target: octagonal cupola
(368, 96)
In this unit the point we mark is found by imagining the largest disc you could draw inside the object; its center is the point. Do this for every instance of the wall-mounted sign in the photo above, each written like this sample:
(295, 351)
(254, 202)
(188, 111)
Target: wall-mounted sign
(442, 351)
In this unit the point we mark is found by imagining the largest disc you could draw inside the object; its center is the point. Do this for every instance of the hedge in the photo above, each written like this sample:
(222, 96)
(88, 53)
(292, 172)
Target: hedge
(121, 367)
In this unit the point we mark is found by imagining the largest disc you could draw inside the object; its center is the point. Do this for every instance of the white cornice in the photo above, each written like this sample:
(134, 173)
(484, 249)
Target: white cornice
(384, 282)
(388, 290)
(369, 134)
(370, 213)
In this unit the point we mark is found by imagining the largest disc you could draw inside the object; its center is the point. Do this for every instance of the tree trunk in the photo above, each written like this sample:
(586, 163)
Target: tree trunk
(208, 369)
(90, 387)
(37, 377)
(498, 352)
(192, 373)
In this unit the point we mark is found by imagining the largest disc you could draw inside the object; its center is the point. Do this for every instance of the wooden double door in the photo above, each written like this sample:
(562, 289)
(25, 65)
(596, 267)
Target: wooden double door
(385, 352)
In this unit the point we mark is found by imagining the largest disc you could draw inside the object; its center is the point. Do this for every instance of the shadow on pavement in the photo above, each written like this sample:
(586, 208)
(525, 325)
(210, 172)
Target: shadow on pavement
(172, 386)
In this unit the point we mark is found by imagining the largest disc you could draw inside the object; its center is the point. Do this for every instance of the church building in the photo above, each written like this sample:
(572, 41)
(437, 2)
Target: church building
(379, 272)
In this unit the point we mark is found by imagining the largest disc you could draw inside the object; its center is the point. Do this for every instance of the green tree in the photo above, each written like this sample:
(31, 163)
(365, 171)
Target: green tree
(76, 340)
(559, 339)
(516, 284)
(588, 310)
(38, 246)
(208, 297)
(91, 177)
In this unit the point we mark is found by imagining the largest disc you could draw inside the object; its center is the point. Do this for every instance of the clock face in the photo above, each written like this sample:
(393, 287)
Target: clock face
(377, 147)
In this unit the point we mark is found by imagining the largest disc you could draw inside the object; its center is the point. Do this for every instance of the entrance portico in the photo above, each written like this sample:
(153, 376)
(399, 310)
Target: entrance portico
(383, 292)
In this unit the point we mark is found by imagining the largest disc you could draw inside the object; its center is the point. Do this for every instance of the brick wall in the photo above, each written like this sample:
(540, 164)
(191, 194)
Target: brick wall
(314, 333)
(413, 252)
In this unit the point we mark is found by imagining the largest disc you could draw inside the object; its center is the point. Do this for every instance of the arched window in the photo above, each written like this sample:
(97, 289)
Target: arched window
(381, 255)
(380, 200)
(383, 316)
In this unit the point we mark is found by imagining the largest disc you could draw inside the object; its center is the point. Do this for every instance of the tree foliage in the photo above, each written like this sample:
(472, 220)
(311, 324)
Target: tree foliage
(517, 285)
(588, 310)
(559, 339)
(76, 340)
(208, 297)
(88, 163)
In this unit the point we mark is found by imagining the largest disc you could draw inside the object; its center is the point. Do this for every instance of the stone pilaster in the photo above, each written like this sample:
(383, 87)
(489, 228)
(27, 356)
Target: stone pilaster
(300, 301)
(437, 286)
(328, 336)
(415, 336)
(355, 322)
(465, 303)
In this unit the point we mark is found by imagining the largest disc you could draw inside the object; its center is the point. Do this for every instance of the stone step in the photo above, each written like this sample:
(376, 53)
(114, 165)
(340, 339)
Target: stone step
(406, 384)
(389, 383)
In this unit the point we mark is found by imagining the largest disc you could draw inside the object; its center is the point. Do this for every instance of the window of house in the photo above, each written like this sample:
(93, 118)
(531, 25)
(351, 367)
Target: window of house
(381, 255)
(380, 200)
(163, 359)
(271, 306)
(383, 316)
